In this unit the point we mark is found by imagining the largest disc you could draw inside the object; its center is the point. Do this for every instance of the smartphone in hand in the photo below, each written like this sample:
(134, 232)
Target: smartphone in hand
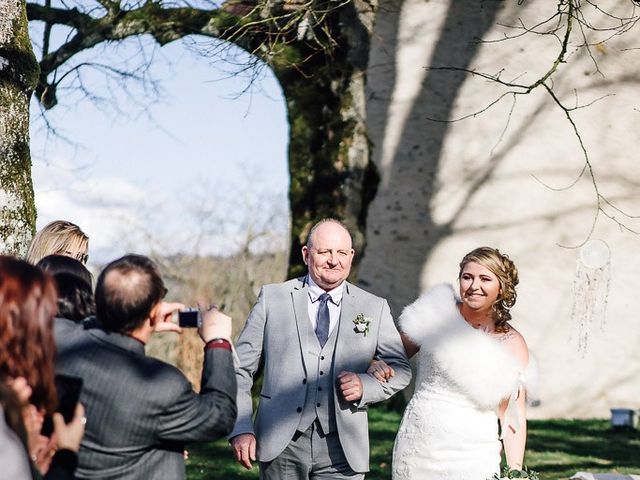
(68, 389)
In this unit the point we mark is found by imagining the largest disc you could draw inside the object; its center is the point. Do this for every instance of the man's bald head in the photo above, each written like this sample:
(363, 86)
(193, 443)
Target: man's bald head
(126, 292)
(325, 221)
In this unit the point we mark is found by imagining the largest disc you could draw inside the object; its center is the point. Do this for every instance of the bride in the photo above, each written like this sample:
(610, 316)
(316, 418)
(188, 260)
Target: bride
(470, 385)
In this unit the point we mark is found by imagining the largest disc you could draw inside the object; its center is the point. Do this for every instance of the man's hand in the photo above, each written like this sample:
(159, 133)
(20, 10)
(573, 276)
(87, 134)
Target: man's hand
(380, 371)
(350, 385)
(215, 324)
(244, 449)
(161, 317)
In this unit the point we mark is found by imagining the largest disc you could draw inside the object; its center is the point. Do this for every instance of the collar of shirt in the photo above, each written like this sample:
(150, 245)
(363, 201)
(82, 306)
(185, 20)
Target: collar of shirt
(315, 291)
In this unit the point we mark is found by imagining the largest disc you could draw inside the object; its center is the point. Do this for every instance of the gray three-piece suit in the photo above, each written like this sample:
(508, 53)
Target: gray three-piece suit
(299, 384)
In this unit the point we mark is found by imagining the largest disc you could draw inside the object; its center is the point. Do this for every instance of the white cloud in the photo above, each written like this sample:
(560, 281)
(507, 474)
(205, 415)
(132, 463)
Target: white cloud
(121, 215)
(107, 209)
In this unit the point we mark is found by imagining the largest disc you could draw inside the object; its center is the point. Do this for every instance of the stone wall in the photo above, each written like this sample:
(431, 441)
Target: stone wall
(449, 187)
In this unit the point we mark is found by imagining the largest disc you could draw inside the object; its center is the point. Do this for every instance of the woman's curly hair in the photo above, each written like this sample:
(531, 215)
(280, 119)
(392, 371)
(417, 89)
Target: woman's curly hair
(27, 306)
(503, 268)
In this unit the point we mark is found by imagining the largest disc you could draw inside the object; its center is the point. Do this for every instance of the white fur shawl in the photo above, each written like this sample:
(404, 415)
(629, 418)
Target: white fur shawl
(484, 369)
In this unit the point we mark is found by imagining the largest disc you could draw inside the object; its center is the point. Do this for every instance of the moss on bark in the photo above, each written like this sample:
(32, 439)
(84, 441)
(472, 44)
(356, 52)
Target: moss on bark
(325, 108)
(18, 76)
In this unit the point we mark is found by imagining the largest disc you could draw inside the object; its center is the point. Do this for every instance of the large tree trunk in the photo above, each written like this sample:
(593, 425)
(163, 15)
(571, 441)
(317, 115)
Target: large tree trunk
(18, 77)
(329, 158)
(319, 55)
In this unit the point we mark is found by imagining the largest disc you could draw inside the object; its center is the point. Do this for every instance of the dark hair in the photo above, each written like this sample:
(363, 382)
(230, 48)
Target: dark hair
(55, 264)
(127, 289)
(27, 307)
(75, 297)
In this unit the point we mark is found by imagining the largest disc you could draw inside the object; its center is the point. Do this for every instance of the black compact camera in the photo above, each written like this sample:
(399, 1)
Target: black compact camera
(189, 318)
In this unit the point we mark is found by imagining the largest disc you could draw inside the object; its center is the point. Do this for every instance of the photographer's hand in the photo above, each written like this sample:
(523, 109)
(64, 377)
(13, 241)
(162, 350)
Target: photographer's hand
(215, 324)
(161, 317)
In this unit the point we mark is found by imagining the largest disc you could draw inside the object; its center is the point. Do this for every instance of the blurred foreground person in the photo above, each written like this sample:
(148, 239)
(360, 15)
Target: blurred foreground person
(141, 410)
(27, 393)
(59, 238)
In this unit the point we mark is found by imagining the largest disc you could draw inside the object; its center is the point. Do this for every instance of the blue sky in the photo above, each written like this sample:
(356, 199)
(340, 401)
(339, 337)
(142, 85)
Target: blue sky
(200, 162)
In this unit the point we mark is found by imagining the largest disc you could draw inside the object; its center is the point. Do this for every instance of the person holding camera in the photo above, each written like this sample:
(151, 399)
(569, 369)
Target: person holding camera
(141, 411)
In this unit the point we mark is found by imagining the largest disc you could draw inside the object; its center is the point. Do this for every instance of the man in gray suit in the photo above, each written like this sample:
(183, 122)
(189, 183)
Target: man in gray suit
(316, 336)
(141, 411)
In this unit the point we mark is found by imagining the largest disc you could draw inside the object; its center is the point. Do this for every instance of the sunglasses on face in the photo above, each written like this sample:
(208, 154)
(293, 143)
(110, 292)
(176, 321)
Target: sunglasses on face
(81, 257)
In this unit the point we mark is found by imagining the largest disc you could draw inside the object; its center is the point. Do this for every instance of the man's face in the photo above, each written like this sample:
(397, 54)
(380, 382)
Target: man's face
(329, 256)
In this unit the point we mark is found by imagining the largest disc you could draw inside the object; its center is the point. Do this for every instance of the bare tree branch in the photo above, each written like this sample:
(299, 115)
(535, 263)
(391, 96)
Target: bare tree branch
(568, 13)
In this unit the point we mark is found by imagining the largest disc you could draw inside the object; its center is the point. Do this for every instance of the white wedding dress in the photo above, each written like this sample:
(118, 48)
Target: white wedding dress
(449, 430)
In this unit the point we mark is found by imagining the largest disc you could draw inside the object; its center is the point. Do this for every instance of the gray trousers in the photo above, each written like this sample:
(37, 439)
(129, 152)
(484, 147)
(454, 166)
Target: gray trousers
(310, 455)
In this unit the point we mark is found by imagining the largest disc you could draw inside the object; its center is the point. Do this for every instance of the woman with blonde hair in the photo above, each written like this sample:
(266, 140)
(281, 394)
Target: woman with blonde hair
(470, 383)
(59, 238)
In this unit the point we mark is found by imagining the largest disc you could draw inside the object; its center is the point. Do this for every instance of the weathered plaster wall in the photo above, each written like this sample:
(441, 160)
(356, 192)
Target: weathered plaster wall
(449, 187)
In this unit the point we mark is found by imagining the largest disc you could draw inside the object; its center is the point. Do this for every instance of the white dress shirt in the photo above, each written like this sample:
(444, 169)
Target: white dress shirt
(313, 303)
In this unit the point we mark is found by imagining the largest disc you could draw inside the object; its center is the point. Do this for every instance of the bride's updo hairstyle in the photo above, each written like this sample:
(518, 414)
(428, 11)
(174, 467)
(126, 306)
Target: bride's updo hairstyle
(503, 268)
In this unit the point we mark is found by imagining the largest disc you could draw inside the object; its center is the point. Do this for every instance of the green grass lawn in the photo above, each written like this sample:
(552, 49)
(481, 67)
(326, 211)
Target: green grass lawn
(556, 449)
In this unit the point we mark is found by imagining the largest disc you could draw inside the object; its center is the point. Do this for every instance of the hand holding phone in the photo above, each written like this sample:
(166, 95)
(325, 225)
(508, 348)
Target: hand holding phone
(69, 434)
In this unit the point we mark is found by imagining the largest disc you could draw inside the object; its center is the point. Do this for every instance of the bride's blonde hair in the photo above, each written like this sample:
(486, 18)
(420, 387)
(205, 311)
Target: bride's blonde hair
(503, 268)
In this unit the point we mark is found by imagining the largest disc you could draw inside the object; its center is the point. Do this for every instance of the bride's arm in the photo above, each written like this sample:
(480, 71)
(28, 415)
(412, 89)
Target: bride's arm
(514, 437)
(409, 346)
(514, 424)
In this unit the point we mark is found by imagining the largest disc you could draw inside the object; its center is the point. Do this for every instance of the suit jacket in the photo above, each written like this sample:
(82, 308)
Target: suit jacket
(141, 411)
(273, 334)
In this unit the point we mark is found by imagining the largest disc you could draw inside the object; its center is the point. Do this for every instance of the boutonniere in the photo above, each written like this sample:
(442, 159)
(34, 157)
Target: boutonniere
(361, 323)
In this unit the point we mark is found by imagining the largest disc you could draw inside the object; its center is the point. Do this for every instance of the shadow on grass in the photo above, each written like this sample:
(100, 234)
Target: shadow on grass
(209, 461)
(556, 449)
(559, 448)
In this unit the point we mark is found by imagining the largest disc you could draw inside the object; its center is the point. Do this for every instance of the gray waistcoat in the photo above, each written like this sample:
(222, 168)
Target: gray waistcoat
(319, 401)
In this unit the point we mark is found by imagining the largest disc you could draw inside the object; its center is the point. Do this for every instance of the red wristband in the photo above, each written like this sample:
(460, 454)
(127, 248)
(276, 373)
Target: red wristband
(218, 343)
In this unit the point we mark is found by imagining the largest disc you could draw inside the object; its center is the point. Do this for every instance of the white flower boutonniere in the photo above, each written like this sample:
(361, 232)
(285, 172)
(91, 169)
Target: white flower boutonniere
(361, 323)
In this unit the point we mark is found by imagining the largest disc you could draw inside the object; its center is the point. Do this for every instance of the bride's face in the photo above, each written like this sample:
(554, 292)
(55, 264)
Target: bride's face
(479, 287)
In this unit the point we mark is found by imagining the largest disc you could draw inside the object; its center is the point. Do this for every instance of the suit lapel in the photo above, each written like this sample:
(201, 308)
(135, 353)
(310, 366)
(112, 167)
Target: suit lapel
(347, 313)
(299, 296)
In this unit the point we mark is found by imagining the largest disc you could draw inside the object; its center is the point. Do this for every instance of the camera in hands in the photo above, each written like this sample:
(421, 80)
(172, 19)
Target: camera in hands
(189, 318)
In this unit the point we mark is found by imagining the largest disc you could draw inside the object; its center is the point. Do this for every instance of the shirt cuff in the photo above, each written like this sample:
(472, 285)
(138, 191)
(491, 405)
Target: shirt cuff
(218, 343)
